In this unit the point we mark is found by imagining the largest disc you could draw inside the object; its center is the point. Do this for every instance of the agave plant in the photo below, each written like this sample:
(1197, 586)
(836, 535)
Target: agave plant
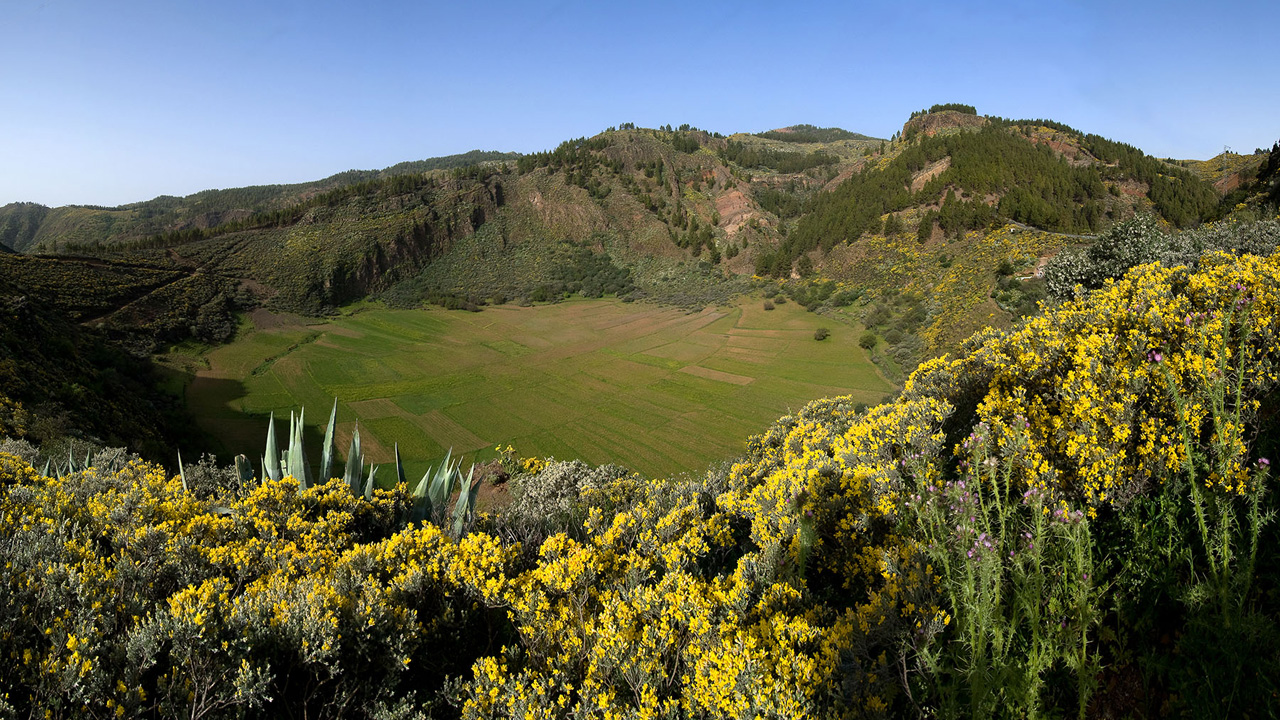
(430, 496)
(294, 459)
(355, 463)
(465, 509)
(432, 492)
(330, 449)
(271, 459)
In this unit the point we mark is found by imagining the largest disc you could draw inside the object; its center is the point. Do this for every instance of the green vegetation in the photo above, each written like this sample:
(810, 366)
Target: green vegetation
(655, 389)
(780, 161)
(944, 107)
(1141, 240)
(1034, 184)
(810, 134)
(1268, 177)
(64, 383)
(1074, 518)
(29, 227)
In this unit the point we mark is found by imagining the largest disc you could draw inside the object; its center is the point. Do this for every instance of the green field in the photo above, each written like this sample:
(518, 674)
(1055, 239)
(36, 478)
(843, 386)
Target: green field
(656, 389)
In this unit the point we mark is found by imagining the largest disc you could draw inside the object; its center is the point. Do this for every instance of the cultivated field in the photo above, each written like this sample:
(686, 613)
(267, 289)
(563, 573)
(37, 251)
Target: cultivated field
(655, 389)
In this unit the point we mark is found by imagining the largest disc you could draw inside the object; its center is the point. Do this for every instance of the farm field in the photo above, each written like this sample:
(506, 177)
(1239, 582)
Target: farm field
(655, 389)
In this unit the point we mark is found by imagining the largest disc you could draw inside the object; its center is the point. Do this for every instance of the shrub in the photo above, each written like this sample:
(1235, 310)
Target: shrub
(768, 305)
(821, 333)
(1029, 529)
(1123, 246)
(868, 340)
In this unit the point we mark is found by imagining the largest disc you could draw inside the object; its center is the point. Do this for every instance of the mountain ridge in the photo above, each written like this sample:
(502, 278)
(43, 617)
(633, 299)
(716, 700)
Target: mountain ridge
(925, 230)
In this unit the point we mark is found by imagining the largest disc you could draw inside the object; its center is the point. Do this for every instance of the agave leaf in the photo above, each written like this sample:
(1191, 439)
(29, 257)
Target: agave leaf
(330, 449)
(421, 500)
(88, 459)
(297, 458)
(182, 473)
(355, 463)
(464, 509)
(271, 460)
(244, 469)
(45, 472)
(400, 468)
(441, 487)
(368, 485)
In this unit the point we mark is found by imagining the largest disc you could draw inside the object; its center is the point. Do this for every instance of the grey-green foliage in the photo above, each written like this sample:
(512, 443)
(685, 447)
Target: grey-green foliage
(207, 480)
(547, 502)
(1140, 240)
(271, 458)
(464, 509)
(244, 470)
(295, 459)
(1237, 238)
(23, 449)
(330, 449)
(1125, 245)
(431, 494)
(370, 483)
(292, 460)
(355, 463)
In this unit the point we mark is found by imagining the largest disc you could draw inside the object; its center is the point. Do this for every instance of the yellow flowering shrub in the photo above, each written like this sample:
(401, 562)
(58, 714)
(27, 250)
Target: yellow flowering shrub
(797, 582)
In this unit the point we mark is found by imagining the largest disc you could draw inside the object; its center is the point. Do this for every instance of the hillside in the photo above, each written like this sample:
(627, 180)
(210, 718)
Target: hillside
(1069, 519)
(804, 133)
(679, 209)
(920, 238)
(30, 227)
(61, 381)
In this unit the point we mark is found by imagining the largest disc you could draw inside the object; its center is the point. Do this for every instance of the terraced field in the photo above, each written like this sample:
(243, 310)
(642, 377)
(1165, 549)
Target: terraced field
(655, 389)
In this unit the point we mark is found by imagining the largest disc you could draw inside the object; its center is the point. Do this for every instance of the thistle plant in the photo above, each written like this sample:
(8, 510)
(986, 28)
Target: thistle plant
(1016, 569)
(1225, 491)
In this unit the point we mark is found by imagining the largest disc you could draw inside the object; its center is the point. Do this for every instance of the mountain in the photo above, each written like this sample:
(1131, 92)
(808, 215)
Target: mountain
(1078, 507)
(30, 227)
(926, 230)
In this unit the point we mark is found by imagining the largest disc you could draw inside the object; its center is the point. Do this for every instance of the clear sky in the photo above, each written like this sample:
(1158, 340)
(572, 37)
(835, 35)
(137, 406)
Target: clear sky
(113, 102)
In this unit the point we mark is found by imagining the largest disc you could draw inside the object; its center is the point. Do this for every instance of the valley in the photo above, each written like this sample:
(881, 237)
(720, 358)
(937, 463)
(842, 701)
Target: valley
(657, 389)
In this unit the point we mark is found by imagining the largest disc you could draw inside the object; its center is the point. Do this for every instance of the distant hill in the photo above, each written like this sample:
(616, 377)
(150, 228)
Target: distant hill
(20, 223)
(811, 134)
(30, 227)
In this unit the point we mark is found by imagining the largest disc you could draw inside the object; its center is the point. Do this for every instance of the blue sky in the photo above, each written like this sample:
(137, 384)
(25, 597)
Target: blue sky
(114, 102)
